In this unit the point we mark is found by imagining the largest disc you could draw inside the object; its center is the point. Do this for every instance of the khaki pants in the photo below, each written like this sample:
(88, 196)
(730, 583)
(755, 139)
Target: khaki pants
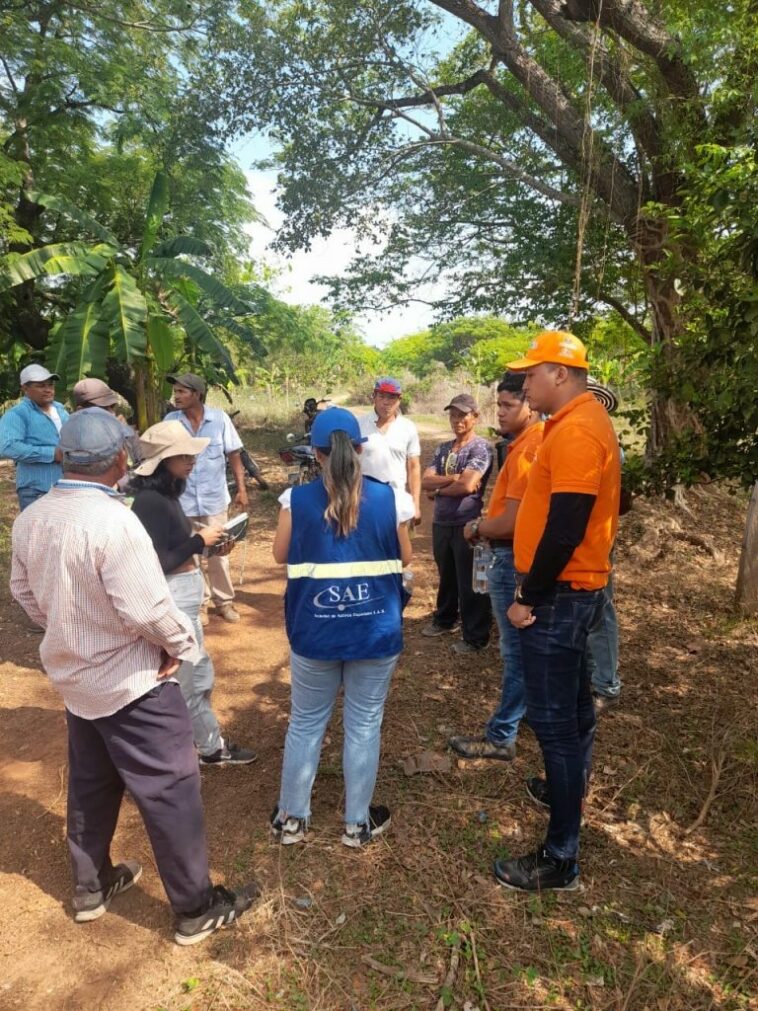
(218, 578)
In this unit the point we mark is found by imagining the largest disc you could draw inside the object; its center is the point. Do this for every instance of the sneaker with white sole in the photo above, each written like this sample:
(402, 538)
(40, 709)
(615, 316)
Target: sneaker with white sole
(223, 910)
(229, 754)
(289, 830)
(92, 905)
(379, 820)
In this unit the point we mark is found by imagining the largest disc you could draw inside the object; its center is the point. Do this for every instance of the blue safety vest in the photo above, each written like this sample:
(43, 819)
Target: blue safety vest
(344, 594)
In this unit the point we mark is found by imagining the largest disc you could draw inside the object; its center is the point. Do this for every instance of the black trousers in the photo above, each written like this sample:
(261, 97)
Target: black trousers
(455, 560)
(147, 748)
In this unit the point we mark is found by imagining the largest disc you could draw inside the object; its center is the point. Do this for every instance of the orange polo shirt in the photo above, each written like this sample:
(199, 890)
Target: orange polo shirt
(512, 477)
(579, 453)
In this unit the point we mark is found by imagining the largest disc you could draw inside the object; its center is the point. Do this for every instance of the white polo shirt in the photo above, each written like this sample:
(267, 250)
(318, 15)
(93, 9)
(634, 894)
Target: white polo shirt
(386, 453)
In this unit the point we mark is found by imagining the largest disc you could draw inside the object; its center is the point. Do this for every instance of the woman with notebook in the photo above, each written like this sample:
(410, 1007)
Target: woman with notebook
(168, 456)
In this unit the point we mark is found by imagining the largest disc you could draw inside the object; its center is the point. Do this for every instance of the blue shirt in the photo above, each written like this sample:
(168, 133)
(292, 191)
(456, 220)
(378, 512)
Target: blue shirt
(30, 437)
(344, 594)
(206, 493)
(476, 455)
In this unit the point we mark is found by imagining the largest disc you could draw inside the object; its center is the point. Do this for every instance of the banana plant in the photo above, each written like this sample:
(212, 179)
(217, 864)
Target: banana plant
(148, 307)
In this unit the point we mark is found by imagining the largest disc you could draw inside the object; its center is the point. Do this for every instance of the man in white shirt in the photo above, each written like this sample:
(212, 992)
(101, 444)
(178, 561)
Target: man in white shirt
(85, 569)
(393, 451)
(206, 498)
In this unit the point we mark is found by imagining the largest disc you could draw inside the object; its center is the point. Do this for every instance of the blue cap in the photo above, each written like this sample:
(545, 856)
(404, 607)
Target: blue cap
(335, 419)
(91, 435)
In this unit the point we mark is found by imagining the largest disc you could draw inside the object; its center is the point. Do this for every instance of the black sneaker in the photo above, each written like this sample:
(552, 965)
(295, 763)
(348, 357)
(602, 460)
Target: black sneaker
(379, 820)
(432, 630)
(481, 747)
(536, 787)
(92, 905)
(536, 872)
(230, 754)
(289, 831)
(463, 648)
(224, 908)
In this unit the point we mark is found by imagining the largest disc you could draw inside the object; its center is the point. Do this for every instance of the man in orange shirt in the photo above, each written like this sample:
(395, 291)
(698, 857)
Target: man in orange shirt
(564, 532)
(515, 419)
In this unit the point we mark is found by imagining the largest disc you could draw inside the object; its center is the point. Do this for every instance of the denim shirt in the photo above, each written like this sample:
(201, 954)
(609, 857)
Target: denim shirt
(206, 493)
(29, 437)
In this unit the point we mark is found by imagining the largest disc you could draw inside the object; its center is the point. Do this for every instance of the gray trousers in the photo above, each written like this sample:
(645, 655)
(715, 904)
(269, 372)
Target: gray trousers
(196, 679)
(146, 748)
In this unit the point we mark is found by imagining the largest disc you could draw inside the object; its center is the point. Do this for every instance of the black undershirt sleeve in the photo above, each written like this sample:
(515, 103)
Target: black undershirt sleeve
(564, 531)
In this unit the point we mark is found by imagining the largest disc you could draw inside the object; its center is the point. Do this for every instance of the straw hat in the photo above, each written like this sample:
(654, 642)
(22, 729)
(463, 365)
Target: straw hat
(167, 438)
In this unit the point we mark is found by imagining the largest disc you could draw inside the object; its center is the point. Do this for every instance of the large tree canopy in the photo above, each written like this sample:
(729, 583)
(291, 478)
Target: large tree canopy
(546, 156)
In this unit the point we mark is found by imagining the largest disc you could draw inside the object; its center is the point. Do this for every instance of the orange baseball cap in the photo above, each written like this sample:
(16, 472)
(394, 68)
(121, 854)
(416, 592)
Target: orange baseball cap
(556, 346)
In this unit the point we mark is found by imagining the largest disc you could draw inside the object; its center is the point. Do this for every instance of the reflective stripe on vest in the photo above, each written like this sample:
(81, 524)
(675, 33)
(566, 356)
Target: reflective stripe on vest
(344, 570)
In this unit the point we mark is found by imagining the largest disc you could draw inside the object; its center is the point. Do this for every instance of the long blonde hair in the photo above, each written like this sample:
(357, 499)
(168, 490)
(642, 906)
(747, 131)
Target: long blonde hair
(343, 481)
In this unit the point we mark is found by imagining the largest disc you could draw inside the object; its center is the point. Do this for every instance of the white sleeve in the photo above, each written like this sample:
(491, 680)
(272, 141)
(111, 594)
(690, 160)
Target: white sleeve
(404, 506)
(284, 498)
(232, 441)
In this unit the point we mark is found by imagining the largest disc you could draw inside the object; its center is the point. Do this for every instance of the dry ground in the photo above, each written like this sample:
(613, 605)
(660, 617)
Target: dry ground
(665, 920)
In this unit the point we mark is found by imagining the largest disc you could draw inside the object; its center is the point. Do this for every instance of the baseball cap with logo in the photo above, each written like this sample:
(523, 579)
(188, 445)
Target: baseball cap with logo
(91, 435)
(464, 402)
(36, 374)
(558, 347)
(94, 393)
(386, 384)
(335, 419)
(191, 381)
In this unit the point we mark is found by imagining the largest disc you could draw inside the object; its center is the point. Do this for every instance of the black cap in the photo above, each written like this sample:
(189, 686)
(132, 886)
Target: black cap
(464, 402)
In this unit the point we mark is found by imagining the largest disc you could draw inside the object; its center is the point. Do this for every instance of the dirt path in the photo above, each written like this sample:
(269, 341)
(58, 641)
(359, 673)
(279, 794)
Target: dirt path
(665, 918)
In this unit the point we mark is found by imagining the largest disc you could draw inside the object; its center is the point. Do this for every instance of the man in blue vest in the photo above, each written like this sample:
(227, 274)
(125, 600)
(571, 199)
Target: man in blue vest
(29, 434)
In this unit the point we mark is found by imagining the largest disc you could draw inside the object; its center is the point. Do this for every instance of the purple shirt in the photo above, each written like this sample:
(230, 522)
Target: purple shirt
(475, 455)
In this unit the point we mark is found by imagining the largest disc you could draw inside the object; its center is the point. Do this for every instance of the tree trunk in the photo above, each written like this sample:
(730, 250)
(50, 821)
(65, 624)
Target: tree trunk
(747, 577)
(148, 400)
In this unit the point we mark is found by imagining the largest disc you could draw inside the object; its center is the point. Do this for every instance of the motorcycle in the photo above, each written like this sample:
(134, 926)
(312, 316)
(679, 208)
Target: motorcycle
(301, 458)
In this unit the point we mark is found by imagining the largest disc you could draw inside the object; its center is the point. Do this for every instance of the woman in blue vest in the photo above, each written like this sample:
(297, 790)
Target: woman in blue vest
(345, 541)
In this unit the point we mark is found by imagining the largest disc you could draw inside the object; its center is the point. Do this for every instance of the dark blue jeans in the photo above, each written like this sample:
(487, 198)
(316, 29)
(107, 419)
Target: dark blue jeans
(559, 706)
(503, 725)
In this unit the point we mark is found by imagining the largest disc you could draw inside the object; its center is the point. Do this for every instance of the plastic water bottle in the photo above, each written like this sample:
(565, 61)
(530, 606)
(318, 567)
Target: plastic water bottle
(408, 581)
(480, 575)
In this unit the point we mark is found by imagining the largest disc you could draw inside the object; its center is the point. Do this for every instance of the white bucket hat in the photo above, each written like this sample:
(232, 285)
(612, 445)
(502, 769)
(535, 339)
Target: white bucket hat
(167, 438)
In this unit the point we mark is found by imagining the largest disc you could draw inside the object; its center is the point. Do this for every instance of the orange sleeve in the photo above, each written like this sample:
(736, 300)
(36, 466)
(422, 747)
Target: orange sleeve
(577, 458)
(518, 474)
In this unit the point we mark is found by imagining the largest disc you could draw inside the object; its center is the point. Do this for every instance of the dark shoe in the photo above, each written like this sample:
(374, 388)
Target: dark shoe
(230, 754)
(537, 790)
(467, 647)
(603, 702)
(536, 872)
(224, 908)
(432, 630)
(379, 821)
(289, 831)
(92, 905)
(480, 747)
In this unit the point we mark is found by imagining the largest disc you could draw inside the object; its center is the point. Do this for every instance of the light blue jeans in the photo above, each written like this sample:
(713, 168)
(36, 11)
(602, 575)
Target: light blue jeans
(503, 725)
(196, 680)
(315, 686)
(603, 649)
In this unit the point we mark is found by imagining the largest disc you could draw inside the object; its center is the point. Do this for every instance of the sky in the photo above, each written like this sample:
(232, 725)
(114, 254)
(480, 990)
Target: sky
(331, 255)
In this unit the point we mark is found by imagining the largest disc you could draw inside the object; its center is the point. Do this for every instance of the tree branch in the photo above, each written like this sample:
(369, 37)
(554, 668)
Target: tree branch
(626, 315)
(616, 82)
(571, 135)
